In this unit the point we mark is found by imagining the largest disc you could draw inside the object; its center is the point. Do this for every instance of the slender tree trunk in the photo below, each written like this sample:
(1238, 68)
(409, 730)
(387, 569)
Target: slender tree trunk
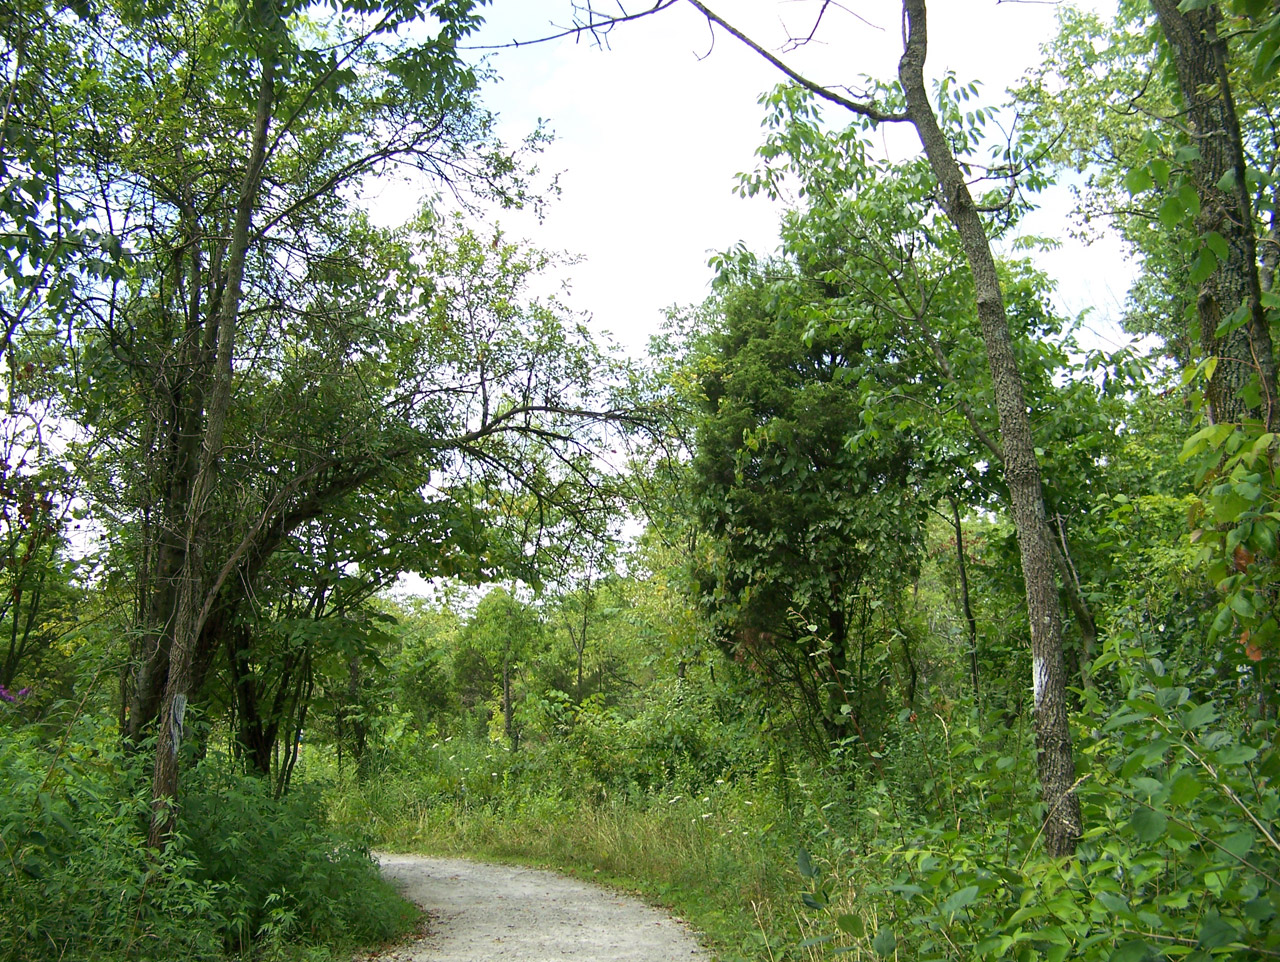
(508, 710)
(357, 724)
(1200, 58)
(1075, 598)
(178, 416)
(1055, 762)
(965, 605)
(193, 603)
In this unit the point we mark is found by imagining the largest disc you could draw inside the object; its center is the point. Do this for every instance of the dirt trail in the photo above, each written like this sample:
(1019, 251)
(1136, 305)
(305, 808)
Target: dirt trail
(482, 913)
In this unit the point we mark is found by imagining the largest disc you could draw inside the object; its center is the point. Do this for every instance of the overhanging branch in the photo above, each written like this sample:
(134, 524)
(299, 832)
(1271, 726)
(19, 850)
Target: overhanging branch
(861, 109)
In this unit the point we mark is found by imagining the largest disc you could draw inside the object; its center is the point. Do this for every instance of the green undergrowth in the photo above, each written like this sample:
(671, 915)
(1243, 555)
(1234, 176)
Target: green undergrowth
(1179, 860)
(720, 854)
(246, 876)
(926, 848)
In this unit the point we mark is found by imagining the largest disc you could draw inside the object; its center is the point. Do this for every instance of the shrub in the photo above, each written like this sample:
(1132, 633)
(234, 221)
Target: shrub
(1179, 858)
(77, 881)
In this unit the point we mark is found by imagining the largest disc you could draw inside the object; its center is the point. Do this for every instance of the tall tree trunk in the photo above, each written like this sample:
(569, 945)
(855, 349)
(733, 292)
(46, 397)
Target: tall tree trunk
(1200, 58)
(193, 602)
(508, 709)
(966, 607)
(1076, 600)
(1055, 762)
(357, 724)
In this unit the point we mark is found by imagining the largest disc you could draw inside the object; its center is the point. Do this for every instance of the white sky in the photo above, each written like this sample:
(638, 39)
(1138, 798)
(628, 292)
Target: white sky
(651, 131)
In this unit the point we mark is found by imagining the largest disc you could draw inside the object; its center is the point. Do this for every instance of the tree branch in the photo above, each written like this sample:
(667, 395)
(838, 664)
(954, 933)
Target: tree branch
(862, 110)
(605, 23)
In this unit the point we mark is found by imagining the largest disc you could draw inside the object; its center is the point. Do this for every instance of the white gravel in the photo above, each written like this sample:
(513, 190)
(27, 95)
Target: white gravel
(482, 913)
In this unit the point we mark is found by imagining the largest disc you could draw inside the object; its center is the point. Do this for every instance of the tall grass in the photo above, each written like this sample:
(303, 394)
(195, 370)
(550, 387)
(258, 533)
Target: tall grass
(720, 854)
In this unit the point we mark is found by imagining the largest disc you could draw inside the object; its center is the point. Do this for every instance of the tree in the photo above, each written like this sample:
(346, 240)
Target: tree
(265, 356)
(809, 537)
(910, 103)
(506, 632)
(1233, 324)
(1021, 467)
(1192, 193)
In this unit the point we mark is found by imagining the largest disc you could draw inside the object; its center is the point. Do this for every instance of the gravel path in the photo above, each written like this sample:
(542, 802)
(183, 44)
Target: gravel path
(483, 913)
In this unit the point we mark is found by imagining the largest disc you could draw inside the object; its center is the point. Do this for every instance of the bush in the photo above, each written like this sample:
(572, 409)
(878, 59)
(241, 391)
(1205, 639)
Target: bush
(1179, 859)
(277, 871)
(76, 881)
(243, 870)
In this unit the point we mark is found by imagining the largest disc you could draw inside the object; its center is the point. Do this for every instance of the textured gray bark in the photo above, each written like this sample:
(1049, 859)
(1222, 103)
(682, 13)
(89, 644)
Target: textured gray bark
(1200, 58)
(1055, 763)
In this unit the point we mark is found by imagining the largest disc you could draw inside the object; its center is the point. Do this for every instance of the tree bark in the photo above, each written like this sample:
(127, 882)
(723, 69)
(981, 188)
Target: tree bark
(1055, 762)
(192, 601)
(1200, 58)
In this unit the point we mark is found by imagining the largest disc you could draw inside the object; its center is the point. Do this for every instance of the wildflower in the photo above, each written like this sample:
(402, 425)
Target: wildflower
(676, 799)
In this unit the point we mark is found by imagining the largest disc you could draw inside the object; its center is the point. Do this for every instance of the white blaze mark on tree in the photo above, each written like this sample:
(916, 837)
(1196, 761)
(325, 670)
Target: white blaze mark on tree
(1038, 680)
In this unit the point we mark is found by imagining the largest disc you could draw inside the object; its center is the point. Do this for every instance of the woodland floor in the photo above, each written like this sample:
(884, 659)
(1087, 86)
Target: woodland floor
(479, 912)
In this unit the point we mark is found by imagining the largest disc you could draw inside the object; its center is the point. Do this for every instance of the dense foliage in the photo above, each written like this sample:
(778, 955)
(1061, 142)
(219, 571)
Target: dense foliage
(871, 614)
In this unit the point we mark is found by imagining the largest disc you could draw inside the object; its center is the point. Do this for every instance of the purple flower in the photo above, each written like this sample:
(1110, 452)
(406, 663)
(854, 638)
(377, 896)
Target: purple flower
(6, 695)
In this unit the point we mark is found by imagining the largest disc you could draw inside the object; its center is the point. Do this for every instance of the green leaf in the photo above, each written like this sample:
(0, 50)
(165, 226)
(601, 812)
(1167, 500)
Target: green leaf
(1218, 244)
(1138, 180)
(1239, 844)
(1204, 265)
(885, 941)
(1147, 786)
(816, 940)
(1131, 951)
(1199, 716)
(958, 900)
(1235, 755)
(1148, 825)
(1215, 932)
(1113, 902)
(804, 863)
(1184, 789)
(1259, 909)
(1171, 212)
(851, 925)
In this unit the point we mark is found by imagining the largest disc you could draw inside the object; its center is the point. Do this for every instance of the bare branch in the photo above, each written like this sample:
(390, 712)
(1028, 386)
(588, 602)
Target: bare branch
(826, 93)
(593, 26)
(794, 43)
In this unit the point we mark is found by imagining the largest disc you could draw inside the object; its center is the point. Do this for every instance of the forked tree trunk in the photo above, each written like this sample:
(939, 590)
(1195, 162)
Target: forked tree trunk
(1055, 763)
(193, 602)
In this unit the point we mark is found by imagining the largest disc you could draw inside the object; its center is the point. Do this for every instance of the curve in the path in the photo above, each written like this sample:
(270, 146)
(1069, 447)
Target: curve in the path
(484, 913)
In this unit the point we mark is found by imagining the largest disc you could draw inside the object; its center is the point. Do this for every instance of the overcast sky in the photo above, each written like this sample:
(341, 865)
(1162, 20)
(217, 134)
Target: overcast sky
(651, 131)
